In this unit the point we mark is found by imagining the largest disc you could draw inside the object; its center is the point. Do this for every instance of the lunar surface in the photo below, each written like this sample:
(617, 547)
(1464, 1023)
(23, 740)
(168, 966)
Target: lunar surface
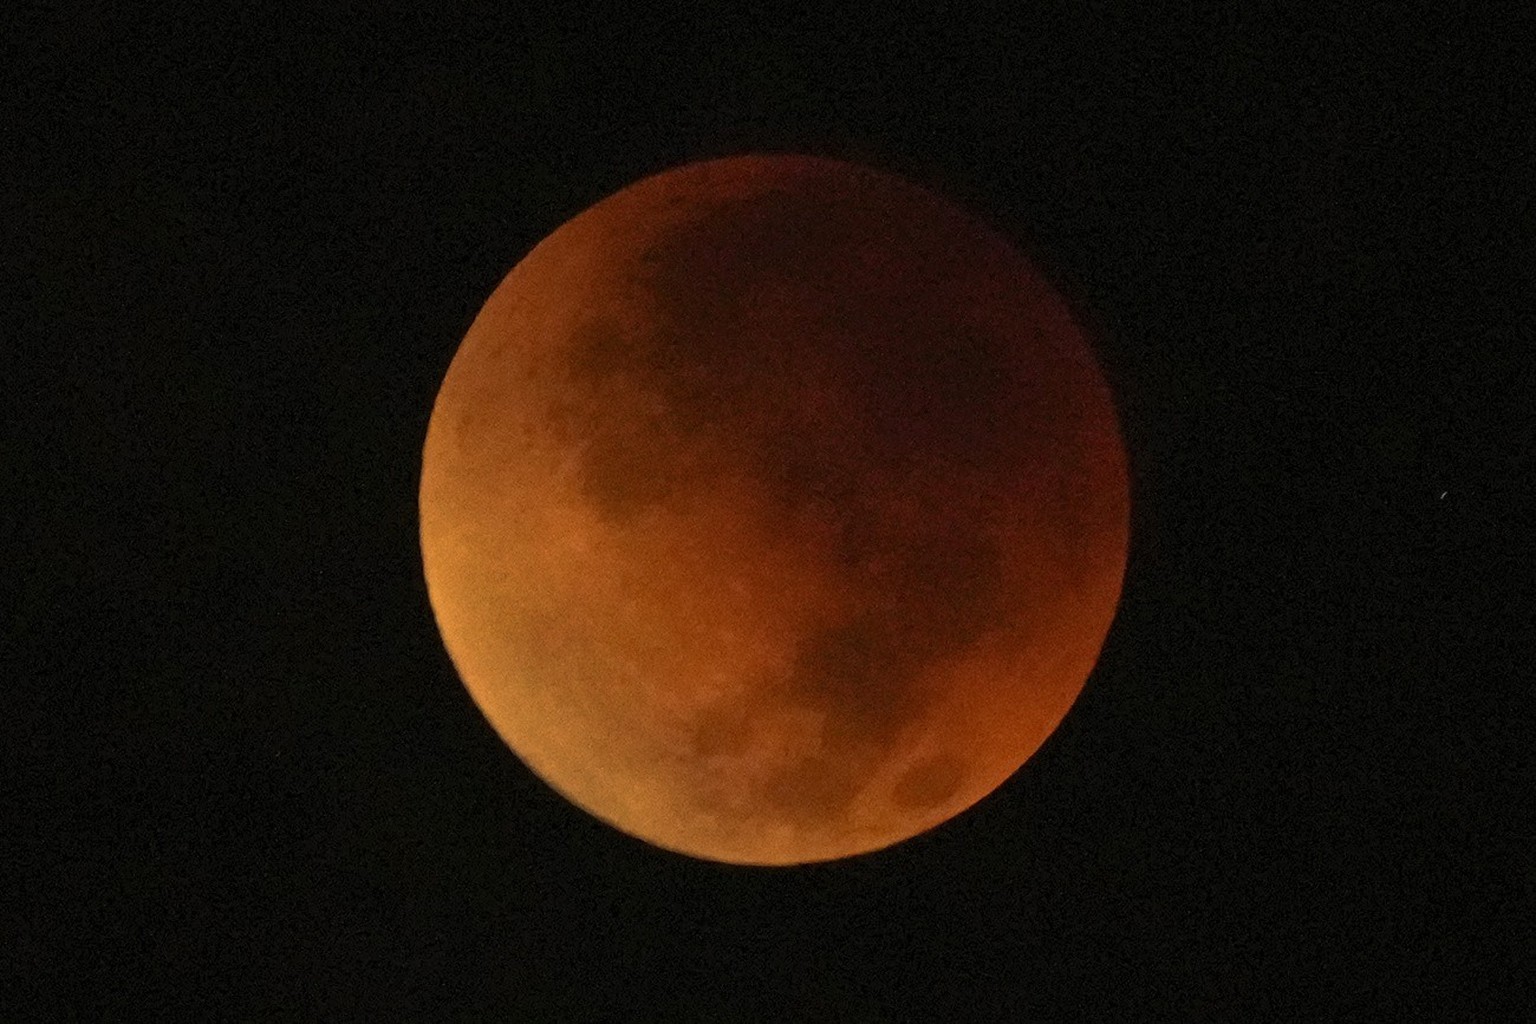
(774, 509)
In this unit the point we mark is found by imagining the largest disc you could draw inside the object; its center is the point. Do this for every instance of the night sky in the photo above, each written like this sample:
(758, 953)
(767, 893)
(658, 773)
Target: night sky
(249, 783)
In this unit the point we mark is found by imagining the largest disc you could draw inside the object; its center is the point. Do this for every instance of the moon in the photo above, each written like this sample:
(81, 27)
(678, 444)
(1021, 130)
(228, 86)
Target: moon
(774, 509)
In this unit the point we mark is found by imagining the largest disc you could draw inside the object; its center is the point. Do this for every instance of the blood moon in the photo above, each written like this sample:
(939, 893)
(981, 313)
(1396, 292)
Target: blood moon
(774, 509)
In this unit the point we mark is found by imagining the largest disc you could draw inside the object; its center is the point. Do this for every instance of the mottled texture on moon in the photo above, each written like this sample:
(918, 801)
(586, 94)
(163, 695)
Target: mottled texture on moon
(774, 510)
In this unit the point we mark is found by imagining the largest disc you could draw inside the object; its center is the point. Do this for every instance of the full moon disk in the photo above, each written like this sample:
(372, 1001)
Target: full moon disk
(774, 509)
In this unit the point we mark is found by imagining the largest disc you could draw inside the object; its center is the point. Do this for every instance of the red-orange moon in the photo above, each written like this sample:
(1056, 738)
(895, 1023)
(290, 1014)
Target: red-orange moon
(774, 509)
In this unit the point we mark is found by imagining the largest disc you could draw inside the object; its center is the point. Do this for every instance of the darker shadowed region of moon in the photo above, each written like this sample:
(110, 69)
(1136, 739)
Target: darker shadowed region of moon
(774, 509)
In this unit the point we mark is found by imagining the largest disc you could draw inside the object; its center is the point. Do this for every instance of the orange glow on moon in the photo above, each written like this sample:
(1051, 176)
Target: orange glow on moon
(774, 510)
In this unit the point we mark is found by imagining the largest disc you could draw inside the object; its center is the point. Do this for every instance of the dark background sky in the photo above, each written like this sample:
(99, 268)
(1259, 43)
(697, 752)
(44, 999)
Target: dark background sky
(249, 783)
